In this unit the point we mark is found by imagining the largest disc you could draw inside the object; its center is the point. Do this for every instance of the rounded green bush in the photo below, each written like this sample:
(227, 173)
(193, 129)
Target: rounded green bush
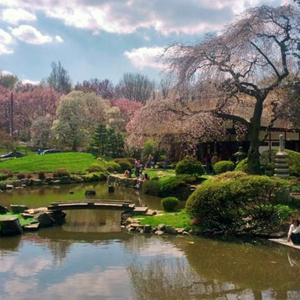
(169, 203)
(223, 166)
(94, 176)
(95, 167)
(242, 166)
(124, 163)
(233, 203)
(112, 166)
(190, 165)
(152, 187)
(229, 176)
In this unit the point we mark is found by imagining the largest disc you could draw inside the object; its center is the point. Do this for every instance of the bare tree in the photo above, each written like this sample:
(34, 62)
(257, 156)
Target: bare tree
(251, 58)
(135, 87)
(103, 88)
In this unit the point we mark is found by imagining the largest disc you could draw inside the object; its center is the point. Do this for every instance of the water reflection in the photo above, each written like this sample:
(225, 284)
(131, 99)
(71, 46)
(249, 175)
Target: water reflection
(118, 265)
(43, 196)
(90, 257)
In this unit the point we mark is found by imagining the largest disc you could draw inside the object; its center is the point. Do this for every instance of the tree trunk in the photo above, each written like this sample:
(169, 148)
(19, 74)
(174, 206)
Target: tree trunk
(253, 153)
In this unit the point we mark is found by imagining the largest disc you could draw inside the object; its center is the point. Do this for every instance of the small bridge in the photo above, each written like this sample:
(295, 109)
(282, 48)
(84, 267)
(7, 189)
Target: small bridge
(94, 204)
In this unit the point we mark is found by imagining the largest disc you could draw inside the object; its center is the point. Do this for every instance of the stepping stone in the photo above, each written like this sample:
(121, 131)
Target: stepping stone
(140, 210)
(32, 227)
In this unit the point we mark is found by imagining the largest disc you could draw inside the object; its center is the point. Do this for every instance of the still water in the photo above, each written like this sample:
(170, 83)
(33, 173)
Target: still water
(89, 257)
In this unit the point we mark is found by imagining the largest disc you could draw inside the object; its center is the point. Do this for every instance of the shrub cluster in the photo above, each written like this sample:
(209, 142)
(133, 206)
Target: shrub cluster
(242, 166)
(94, 176)
(169, 203)
(112, 166)
(175, 186)
(61, 172)
(124, 163)
(223, 166)
(190, 165)
(95, 167)
(231, 204)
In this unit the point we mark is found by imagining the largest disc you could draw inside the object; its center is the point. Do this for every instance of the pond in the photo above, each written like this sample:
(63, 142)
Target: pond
(90, 257)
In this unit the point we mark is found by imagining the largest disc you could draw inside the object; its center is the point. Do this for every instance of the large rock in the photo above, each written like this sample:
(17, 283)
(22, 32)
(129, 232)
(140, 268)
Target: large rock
(37, 182)
(10, 226)
(18, 209)
(90, 193)
(65, 180)
(44, 218)
(3, 210)
(170, 229)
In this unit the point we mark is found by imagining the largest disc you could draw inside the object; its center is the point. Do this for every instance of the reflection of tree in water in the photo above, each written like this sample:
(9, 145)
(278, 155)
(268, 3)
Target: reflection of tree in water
(175, 279)
(158, 280)
(59, 250)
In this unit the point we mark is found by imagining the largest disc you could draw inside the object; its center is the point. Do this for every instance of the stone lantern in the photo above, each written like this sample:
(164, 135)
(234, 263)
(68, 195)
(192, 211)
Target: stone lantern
(281, 161)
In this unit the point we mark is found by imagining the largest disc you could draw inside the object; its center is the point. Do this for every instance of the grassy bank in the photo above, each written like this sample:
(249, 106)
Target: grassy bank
(176, 219)
(73, 161)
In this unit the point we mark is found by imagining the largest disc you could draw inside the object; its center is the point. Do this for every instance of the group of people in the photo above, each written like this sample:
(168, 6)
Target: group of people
(137, 171)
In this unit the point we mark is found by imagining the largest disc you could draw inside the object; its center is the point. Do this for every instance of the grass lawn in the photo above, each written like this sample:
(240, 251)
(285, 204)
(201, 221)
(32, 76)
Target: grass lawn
(75, 162)
(177, 219)
(23, 221)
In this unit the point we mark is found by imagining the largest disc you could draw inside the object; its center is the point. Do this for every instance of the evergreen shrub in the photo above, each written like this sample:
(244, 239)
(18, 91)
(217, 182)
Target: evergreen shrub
(169, 203)
(94, 176)
(242, 166)
(233, 203)
(224, 166)
(124, 163)
(229, 176)
(189, 165)
(152, 187)
(96, 167)
(112, 166)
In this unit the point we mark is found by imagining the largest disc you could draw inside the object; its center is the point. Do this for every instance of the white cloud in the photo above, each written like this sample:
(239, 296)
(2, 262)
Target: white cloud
(6, 40)
(6, 73)
(14, 16)
(124, 17)
(59, 39)
(30, 35)
(145, 57)
(28, 81)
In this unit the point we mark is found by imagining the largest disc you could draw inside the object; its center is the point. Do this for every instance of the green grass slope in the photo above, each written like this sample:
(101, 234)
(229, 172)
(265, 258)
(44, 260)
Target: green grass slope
(73, 161)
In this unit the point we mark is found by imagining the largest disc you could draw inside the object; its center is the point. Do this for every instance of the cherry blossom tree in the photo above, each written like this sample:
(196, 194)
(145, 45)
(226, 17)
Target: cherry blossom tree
(240, 68)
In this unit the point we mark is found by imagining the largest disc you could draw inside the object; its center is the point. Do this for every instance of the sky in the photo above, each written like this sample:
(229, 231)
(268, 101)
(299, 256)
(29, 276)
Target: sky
(105, 38)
